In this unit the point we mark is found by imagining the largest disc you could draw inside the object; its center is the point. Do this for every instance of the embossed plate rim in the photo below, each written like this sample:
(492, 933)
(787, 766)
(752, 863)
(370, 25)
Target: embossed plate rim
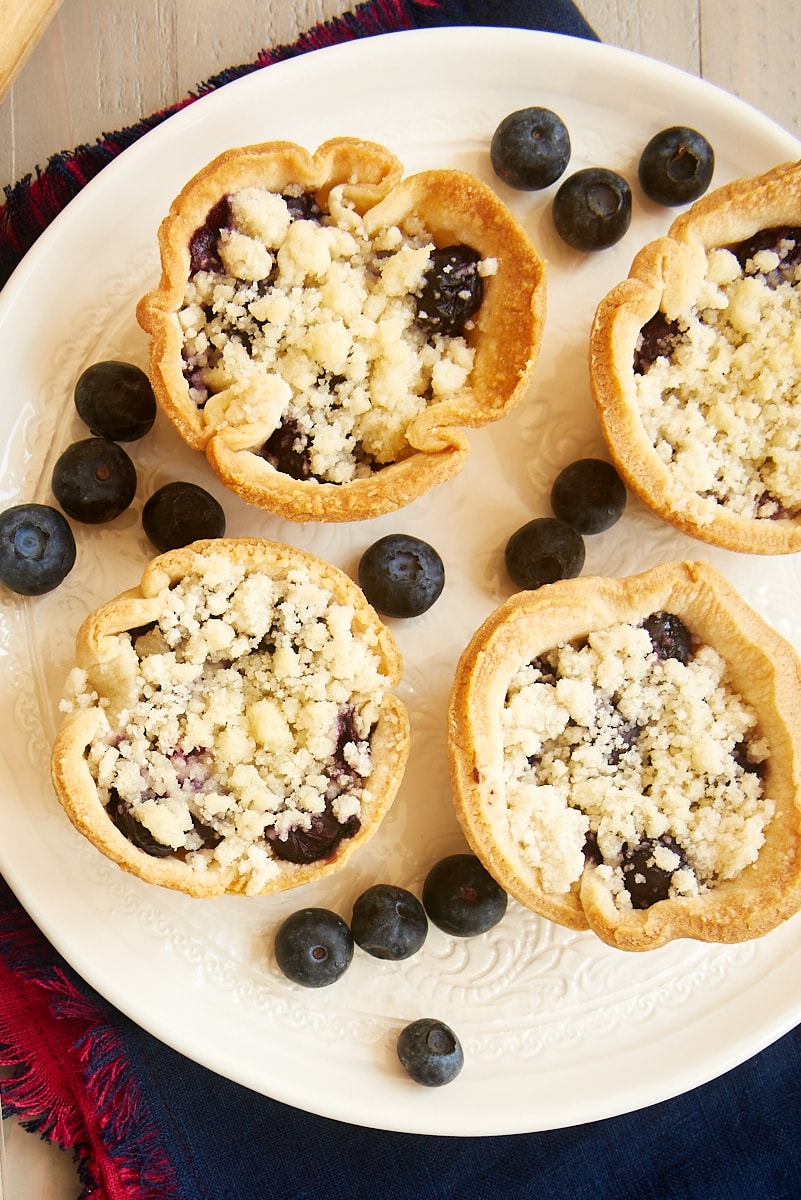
(331, 1053)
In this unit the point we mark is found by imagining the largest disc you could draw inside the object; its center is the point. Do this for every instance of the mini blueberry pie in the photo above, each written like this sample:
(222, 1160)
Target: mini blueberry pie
(230, 726)
(324, 329)
(695, 365)
(624, 756)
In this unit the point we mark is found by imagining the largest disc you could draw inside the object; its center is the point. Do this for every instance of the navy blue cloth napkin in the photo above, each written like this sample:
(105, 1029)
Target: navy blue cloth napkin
(145, 1123)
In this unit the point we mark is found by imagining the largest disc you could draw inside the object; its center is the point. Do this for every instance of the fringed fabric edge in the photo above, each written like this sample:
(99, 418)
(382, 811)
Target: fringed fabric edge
(72, 1082)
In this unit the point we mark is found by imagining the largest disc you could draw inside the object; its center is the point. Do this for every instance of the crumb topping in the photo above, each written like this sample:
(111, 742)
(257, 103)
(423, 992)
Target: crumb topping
(722, 407)
(244, 716)
(609, 747)
(310, 326)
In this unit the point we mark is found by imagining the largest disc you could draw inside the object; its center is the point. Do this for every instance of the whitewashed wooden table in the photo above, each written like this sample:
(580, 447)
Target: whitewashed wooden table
(102, 64)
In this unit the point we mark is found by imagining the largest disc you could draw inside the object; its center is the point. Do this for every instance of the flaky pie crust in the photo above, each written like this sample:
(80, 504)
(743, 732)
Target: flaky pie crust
(96, 652)
(662, 278)
(765, 671)
(456, 207)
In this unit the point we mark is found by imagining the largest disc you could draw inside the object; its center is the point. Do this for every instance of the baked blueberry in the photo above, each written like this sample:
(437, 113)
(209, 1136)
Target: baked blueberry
(401, 575)
(313, 947)
(430, 1052)
(452, 291)
(303, 206)
(669, 635)
(676, 166)
(115, 400)
(388, 922)
(180, 513)
(137, 834)
(589, 495)
(530, 149)
(94, 480)
(461, 897)
(658, 338)
(592, 209)
(203, 254)
(320, 840)
(37, 549)
(646, 882)
(543, 551)
(287, 449)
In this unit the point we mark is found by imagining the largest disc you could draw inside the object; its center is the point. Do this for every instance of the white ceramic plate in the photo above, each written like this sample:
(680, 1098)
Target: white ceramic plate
(557, 1028)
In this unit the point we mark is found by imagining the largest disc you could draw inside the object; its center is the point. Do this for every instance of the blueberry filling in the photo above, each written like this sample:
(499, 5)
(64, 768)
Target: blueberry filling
(646, 882)
(742, 756)
(203, 254)
(783, 240)
(625, 739)
(341, 771)
(658, 338)
(136, 833)
(210, 838)
(546, 668)
(592, 853)
(452, 291)
(669, 635)
(303, 206)
(318, 841)
(287, 449)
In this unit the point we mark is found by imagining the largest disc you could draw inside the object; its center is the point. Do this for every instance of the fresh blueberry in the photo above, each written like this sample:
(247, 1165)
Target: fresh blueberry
(589, 495)
(388, 922)
(676, 166)
(461, 897)
(313, 947)
(543, 551)
(592, 209)
(180, 513)
(401, 575)
(670, 637)
(116, 401)
(451, 292)
(646, 882)
(530, 149)
(430, 1052)
(37, 549)
(94, 480)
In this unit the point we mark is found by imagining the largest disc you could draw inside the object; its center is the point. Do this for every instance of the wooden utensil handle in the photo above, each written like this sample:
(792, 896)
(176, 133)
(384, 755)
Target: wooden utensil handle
(23, 22)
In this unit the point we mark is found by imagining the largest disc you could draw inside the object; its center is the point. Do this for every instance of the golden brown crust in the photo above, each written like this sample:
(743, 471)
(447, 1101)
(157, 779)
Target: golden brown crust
(456, 208)
(97, 652)
(663, 276)
(765, 671)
